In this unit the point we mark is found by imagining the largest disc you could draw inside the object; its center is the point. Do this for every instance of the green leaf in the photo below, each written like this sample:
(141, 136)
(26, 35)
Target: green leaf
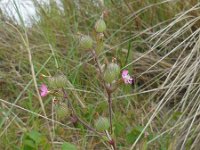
(35, 136)
(133, 135)
(68, 146)
(119, 128)
(29, 143)
(127, 56)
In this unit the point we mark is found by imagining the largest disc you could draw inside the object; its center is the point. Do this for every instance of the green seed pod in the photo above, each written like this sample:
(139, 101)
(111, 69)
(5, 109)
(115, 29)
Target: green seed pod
(62, 110)
(100, 25)
(86, 42)
(111, 73)
(102, 124)
(59, 81)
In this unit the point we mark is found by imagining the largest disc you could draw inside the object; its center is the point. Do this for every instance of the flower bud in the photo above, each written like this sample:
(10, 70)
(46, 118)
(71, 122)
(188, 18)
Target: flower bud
(112, 72)
(102, 124)
(59, 81)
(86, 42)
(62, 110)
(100, 25)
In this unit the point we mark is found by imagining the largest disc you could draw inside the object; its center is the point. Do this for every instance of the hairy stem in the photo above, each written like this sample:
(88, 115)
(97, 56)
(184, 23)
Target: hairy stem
(108, 89)
(110, 110)
(77, 117)
(99, 68)
(111, 141)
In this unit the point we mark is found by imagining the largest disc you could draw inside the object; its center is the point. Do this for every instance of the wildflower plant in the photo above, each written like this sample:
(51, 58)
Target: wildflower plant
(88, 75)
(110, 75)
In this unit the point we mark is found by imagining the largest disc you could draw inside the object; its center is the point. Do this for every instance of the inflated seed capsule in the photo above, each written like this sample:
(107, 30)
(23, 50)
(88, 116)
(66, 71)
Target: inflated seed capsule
(111, 72)
(58, 81)
(62, 110)
(86, 42)
(102, 124)
(100, 25)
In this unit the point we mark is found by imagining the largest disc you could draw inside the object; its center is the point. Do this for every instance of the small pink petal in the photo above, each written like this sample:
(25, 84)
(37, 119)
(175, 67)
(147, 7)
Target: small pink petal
(126, 77)
(43, 90)
(130, 81)
(124, 73)
(125, 81)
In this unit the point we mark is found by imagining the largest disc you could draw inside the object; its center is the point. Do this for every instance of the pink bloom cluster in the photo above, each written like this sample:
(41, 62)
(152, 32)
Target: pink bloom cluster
(126, 77)
(43, 90)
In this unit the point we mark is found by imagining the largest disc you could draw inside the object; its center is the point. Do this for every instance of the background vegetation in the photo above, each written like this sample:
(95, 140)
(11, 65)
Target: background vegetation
(157, 41)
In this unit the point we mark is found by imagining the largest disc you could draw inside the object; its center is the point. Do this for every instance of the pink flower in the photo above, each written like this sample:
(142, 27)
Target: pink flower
(126, 77)
(43, 90)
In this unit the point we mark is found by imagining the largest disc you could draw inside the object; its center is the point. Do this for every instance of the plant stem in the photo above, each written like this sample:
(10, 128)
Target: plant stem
(111, 141)
(110, 110)
(75, 115)
(99, 67)
(108, 89)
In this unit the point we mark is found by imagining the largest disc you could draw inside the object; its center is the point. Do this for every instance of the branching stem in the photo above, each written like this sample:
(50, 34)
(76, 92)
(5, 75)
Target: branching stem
(77, 117)
(107, 88)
